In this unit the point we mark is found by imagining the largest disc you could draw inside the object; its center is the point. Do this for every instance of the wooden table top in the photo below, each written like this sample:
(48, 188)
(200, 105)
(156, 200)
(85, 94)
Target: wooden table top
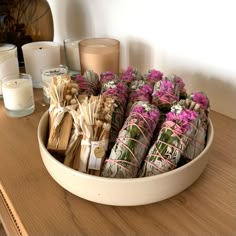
(32, 203)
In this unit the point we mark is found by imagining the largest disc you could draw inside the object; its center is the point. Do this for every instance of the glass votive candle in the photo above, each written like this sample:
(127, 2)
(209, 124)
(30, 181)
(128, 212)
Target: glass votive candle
(71, 47)
(8, 61)
(17, 90)
(99, 55)
(47, 74)
(38, 55)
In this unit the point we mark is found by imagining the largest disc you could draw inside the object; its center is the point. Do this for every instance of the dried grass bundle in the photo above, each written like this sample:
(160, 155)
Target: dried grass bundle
(95, 121)
(60, 121)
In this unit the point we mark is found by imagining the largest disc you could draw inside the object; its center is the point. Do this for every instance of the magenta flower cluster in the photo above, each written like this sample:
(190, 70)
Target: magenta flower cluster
(86, 85)
(119, 91)
(167, 85)
(165, 93)
(151, 114)
(201, 99)
(153, 76)
(142, 94)
(182, 119)
(108, 76)
(180, 83)
(130, 75)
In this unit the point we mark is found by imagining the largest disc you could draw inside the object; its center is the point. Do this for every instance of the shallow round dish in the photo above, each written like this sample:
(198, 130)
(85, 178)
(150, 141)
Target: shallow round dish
(122, 192)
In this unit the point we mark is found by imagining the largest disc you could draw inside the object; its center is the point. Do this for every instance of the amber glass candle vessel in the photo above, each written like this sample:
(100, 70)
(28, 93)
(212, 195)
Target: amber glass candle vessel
(99, 55)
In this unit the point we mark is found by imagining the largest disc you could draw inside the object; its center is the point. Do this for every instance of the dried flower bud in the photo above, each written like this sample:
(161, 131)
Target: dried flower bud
(73, 101)
(192, 104)
(75, 85)
(108, 117)
(96, 116)
(99, 123)
(68, 97)
(187, 101)
(197, 107)
(74, 91)
(106, 126)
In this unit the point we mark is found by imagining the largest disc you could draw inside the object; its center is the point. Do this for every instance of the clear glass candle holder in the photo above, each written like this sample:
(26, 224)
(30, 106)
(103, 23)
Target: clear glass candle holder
(17, 90)
(71, 47)
(99, 55)
(47, 74)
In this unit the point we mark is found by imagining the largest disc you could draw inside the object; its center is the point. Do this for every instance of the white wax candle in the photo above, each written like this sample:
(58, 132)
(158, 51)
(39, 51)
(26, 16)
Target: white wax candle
(8, 61)
(72, 54)
(38, 55)
(18, 94)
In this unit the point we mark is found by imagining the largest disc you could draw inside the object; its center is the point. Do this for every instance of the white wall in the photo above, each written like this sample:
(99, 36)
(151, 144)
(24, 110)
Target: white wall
(193, 39)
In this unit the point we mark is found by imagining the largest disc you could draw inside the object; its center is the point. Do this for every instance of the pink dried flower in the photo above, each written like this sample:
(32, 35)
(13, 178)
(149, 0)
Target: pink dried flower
(167, 86)
(165, 94)
(201, 99)
(80, 78)
(117, 90)
(151, 113)
(183, 118)
(180, 83)
(147, 89)
(162, 97)
(122, 88)
(153, 75)
(130, 75)
(138, 109)
(154, 115)
(142, 94)
(108, 76)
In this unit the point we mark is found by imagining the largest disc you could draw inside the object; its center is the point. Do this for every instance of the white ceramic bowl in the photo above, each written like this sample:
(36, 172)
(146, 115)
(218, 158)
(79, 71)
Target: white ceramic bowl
(123, 192)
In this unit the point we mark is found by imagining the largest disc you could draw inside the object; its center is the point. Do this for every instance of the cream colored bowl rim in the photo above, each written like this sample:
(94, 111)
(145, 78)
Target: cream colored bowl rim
(114, 180)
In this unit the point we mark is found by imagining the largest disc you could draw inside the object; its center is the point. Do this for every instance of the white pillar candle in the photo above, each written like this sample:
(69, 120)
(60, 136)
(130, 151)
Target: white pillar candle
(18, 95)
(38, 55)
(8, 61)
(72, 53)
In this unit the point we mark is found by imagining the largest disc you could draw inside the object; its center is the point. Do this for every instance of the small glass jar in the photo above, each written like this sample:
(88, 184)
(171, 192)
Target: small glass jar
(17, 90)
(71, 47)
(47, 74)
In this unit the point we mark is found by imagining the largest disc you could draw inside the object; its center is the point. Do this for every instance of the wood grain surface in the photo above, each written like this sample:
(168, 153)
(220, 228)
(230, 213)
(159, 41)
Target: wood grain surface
(41, 207)
(2, 231)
